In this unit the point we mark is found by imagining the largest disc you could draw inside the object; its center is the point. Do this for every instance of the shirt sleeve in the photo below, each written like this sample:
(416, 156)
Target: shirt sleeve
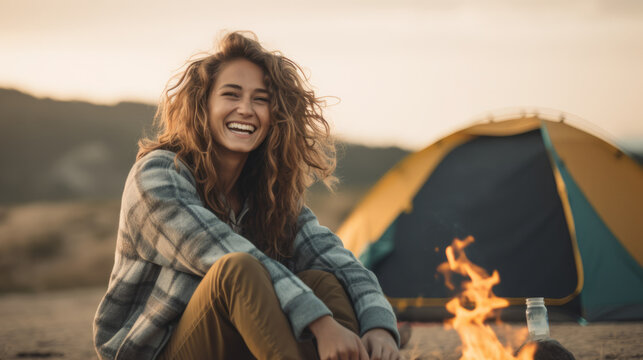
(316, 247)
(169, 226)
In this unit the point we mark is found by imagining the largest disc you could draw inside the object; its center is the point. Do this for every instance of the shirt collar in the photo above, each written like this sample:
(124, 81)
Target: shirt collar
(236, 220)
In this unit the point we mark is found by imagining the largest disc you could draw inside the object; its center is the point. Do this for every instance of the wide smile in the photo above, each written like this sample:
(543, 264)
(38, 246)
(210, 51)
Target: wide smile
(241, 128)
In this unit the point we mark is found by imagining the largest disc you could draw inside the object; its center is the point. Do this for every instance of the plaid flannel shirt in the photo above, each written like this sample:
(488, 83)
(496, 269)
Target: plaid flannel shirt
(167, 241)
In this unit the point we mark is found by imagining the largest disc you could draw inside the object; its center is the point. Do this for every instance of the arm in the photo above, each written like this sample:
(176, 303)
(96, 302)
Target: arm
(168, 225)
(316, 247)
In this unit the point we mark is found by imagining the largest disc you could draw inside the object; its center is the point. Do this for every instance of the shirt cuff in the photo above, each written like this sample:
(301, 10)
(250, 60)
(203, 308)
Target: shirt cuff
(378, 317)
(303, 310)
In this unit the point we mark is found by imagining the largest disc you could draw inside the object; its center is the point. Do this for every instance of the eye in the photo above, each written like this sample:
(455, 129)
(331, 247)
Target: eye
(262, 99)
(230, 94)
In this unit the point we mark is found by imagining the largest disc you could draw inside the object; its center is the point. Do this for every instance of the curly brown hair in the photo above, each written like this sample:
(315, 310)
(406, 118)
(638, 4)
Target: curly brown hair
(297, 151)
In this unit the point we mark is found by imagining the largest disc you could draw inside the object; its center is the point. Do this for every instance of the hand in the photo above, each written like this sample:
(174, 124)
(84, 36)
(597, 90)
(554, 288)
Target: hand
(380, 345)
(335, 342)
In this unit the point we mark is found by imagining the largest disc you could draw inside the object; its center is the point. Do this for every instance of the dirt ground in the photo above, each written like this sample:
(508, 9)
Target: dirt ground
(57, 325)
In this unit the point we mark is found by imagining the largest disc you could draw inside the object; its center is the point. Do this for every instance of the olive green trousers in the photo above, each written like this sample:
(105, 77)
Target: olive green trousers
(235, 314)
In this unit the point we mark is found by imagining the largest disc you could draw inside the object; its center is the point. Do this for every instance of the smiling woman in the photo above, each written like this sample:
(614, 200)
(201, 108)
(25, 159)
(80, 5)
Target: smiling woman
(217, 257)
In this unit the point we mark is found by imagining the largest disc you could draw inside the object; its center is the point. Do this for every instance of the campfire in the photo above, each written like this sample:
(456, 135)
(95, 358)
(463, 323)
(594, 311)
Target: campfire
(474, 306)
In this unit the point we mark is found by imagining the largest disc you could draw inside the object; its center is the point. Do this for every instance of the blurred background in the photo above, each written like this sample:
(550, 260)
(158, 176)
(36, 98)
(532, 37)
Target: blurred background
(79, 82)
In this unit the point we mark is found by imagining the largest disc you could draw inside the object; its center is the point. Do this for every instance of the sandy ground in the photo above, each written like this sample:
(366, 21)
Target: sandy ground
(57, 325)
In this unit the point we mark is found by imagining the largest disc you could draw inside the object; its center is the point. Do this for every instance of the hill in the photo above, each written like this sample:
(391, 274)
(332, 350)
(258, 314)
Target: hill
(62, 150)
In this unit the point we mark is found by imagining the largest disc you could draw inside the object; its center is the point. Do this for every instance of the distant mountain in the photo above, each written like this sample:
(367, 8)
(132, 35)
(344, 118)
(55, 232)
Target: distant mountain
(359, 165)
(64, 150)
(60, 150)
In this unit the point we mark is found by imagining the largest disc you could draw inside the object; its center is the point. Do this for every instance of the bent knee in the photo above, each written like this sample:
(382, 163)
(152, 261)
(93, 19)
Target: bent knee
(233, 274)
(235, 265)
(235, 259)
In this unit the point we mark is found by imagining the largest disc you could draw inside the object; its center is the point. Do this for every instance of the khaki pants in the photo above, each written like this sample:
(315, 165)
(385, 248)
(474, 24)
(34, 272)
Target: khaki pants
(234, 314)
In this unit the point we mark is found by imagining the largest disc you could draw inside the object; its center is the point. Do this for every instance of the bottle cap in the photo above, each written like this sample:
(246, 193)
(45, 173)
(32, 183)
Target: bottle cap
(535, 301)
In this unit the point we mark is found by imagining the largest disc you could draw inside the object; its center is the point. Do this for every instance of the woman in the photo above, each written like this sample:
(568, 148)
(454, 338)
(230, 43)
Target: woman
(217, 258)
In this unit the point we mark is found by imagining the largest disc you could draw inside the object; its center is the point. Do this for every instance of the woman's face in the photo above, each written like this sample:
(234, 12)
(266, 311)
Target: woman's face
(239, 107)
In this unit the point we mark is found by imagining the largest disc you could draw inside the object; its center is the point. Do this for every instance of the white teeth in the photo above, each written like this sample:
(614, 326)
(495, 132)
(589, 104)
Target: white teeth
(241, 127)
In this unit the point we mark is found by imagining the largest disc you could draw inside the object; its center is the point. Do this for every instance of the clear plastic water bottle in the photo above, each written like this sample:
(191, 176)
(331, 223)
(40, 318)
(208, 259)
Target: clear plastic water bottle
(537, 321)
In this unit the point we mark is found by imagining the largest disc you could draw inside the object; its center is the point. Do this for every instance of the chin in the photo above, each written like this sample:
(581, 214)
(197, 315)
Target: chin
(243, 149)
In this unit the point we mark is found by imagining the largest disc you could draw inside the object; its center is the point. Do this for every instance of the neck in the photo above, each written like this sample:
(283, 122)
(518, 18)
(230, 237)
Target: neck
(229, 168)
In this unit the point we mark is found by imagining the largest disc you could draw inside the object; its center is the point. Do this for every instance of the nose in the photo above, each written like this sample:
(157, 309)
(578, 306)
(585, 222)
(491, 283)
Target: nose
(245, 107)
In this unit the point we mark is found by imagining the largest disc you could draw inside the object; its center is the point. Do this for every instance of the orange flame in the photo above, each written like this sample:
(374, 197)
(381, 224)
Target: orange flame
(474, 306)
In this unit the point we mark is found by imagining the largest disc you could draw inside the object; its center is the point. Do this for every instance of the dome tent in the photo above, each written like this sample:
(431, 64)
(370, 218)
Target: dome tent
(556, 210)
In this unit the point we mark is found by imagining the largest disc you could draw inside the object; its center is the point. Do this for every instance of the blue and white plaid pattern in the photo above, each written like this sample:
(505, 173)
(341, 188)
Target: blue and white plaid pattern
(167, 241)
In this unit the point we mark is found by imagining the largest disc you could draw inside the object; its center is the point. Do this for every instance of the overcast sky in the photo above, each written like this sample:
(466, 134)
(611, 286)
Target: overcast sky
(407, 72)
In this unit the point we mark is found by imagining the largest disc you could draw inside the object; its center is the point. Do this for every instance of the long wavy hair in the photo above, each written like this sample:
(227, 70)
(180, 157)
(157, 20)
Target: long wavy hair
(298, 149)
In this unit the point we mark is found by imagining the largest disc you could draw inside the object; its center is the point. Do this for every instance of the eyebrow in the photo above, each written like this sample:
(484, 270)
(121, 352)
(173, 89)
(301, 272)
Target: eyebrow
(238, 87)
